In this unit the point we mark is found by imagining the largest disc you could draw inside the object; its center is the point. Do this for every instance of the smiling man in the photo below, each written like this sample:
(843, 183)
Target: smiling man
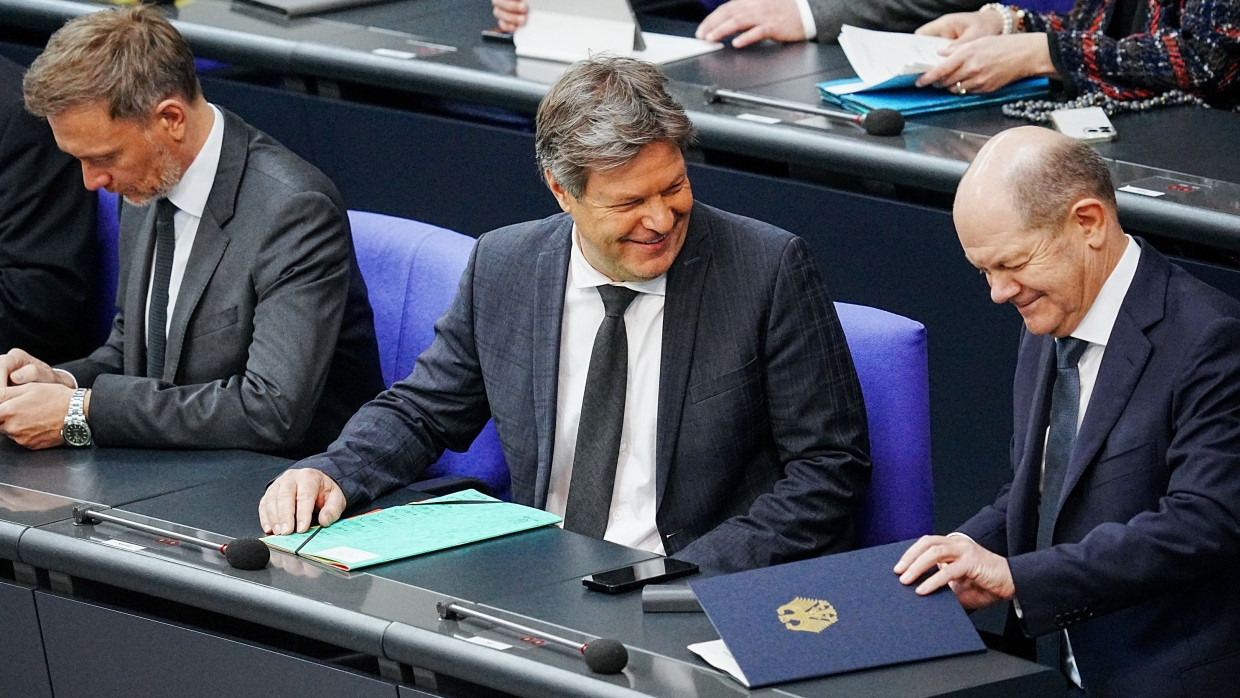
(243, 320)
(661, 373)
(1119, 535)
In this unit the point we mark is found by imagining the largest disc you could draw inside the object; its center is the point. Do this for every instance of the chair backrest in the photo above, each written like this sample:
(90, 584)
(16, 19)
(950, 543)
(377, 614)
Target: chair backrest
(889, 352)
(412, 270)
(107, 236)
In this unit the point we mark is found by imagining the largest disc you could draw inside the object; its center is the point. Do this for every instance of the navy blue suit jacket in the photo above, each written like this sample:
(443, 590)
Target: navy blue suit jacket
(761, 446)
(1145, 569)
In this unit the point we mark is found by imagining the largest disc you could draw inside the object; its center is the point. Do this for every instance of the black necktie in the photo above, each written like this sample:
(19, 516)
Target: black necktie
(157, 319)
(1065, 406)
(602, 418)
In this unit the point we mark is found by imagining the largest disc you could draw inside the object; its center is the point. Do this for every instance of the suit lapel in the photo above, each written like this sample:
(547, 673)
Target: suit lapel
(550, 275)
(1128, 350)
(1025, 489)
(686, 280)
(137, 287)
(210, 240)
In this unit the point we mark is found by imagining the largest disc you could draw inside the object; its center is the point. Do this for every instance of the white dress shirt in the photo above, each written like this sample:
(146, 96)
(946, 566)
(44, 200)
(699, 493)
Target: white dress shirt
(631, 520)
(807, 20)
(190, 197)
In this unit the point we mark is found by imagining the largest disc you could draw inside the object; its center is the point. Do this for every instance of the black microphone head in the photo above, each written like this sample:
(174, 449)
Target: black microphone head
(883, 122)
(605, 656)
(247, 554)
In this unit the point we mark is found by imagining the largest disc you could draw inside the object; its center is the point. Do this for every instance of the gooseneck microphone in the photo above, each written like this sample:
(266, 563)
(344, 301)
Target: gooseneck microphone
(603, 656)
(880, 122)
(241, 553)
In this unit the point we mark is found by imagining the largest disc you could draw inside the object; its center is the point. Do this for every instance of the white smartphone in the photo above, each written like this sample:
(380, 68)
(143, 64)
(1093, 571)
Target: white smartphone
(1085, 123)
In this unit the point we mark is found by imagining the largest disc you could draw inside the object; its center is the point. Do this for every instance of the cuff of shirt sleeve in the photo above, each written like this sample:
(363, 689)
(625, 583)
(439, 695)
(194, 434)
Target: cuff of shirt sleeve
(70, 375)
(807, 20)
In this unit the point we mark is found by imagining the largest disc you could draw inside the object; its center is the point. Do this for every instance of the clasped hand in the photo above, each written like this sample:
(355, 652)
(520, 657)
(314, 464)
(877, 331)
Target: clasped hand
(34, 400)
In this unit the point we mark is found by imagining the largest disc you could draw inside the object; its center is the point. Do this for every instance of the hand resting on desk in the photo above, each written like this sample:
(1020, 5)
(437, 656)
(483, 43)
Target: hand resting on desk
(290, 501)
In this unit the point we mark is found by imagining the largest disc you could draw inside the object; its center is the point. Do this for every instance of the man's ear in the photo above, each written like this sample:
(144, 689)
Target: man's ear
(561, 195)
(171, 117)
(1090, 217)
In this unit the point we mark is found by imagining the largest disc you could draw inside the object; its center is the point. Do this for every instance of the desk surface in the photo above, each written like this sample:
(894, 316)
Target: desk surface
(389, 610)
(435, 47)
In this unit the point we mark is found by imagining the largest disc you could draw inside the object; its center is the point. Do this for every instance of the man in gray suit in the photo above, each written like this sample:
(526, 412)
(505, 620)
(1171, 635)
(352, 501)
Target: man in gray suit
(735, 436)
(243, 318)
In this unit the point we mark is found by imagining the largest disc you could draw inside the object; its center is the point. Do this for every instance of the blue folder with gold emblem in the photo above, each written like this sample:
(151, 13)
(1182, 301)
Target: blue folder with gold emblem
(830, 615)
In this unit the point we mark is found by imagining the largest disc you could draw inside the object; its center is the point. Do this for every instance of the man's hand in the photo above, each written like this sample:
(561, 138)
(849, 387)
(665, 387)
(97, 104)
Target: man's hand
(977, 576)
(291, 500)
(758, 19)
(988, 63)
(19, 368)
(964, 26)
(33, 414)
(510, 13)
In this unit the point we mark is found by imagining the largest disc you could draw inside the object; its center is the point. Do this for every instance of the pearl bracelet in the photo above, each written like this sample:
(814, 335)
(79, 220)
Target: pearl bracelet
(1005, 12)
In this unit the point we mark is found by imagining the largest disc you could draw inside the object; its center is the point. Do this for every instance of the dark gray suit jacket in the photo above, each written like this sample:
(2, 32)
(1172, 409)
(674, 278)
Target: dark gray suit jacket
(47, 235)
(761, 445)
(887, 15)
(1145, 570)
(271, 345)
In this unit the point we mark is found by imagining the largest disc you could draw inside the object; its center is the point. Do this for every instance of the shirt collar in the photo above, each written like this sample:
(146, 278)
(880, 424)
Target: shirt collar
(1095, 327)
(583, 275)
(190, 194)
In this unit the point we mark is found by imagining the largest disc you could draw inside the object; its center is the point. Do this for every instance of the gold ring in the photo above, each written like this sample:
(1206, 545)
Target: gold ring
(960, 88)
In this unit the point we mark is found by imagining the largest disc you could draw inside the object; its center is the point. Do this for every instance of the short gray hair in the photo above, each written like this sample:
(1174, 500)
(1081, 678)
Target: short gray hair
(1044, 189)
(132, 58)
(600, 113)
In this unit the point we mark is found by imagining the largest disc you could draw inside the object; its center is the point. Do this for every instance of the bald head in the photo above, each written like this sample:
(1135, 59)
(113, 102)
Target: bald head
(1035, 212)
(1037, 173)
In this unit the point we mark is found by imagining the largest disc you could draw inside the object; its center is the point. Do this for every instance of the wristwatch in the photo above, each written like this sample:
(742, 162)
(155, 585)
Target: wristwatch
(76, 431)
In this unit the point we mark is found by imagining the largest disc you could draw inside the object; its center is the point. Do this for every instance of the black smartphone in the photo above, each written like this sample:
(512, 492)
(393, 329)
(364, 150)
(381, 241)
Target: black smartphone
(636, 576)
(497, 34)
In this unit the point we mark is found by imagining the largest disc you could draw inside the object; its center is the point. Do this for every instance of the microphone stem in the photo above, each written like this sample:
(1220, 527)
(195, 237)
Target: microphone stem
(730, 95)
(91, 513)
(447, 608)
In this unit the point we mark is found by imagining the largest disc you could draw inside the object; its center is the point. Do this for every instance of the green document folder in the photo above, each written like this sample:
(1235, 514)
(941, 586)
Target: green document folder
(412, 529)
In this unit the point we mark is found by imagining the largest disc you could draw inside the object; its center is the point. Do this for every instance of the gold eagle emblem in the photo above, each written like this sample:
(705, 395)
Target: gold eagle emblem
(807, 615)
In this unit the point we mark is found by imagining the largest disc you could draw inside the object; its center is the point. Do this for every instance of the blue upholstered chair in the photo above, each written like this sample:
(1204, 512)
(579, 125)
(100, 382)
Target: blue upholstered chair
(412, 270)
(890, 354)
(107, 236)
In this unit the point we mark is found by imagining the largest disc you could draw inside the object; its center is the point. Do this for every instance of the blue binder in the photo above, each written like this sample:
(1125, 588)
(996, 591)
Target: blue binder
(830, 615)
(909, 100)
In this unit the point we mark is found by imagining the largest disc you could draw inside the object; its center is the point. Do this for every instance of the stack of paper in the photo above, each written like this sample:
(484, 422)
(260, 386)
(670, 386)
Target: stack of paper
(888, 59)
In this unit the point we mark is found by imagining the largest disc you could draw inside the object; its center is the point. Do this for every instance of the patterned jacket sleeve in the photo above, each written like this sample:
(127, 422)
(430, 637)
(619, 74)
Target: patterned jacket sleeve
(1188, 45)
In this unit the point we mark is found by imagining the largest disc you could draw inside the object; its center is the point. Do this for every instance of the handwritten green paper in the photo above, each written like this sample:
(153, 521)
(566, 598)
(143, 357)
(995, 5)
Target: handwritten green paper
(413, 529)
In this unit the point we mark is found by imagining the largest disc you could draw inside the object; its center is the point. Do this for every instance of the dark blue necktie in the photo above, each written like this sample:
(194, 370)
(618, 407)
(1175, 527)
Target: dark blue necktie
(157, 318)
(602, 419)
(1065, 407)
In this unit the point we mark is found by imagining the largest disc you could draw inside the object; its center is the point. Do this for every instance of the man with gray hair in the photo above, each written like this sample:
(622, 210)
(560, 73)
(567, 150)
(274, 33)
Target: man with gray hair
(1118, 539)
(243, 320)
(661, 373)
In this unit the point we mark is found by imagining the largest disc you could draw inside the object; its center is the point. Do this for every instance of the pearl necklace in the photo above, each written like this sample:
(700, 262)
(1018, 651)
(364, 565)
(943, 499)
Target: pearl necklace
(1039, 110)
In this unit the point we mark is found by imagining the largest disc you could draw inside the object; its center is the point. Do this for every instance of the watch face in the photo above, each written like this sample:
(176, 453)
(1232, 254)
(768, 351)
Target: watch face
(76, 434)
